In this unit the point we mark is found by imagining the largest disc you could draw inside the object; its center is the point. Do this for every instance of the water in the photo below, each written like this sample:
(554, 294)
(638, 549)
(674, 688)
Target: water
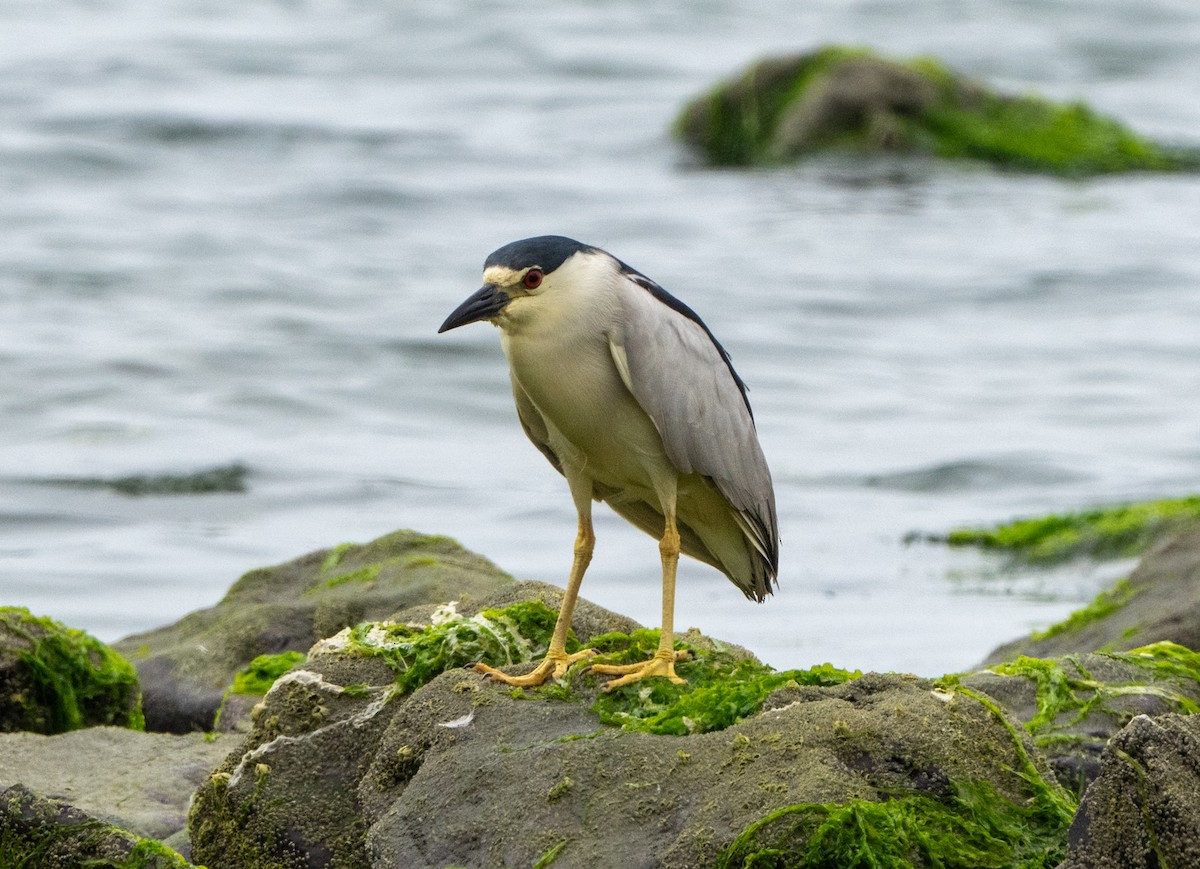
(229, 232)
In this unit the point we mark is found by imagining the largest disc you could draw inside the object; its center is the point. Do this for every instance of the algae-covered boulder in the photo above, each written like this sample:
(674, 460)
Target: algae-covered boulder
(1144, 808)
(784, 108)
(382, 751)
(39, 832)
(1073, 705)
(187, 668)
(54, 678)
(1158, 602)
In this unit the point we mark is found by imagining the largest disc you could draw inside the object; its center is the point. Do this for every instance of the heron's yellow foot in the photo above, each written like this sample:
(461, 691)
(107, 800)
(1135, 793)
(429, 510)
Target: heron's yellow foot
(662, 664)
(553, 666)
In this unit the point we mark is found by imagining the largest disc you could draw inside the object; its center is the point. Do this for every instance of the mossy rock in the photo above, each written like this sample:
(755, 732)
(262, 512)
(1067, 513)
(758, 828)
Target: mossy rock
(39, 832)
(382, 751)
(1158, 602)
(850, 99)
(54, 678)
(188, 669)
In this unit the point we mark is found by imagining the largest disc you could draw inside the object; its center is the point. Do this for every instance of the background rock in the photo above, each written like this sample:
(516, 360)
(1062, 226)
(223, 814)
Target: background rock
(849, 98)
(141, 782)
(185, 668)
(1162, 602)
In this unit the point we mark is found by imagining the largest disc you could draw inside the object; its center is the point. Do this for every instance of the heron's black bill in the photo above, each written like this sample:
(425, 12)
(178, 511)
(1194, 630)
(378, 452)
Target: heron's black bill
(487, 301)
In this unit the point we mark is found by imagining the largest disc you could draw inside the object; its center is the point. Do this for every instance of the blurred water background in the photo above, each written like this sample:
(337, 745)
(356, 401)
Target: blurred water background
(229, 231)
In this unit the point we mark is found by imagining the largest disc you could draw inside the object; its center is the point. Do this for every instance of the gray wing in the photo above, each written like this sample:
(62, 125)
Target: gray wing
(533, 424)
(682, 378)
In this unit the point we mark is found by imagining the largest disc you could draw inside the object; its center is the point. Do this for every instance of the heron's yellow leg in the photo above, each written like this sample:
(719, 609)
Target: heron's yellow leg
(556, 662)
(663, 662)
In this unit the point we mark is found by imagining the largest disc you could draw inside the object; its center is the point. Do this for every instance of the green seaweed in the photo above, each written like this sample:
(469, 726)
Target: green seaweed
(720, 690)
(497, 637)
(77, 681)
(975, 827)
(1061, 690)
(1114, 531)
(259, 675)
(38, 832)
(370, 573)
(1107, 602)
(1164, 659)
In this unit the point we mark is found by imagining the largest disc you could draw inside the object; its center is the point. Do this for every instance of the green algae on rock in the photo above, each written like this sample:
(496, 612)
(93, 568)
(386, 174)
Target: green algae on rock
(418, 653)
(1073, 704)
(260, 674)
(849, 98)
(1107, 602)
(57, 678)
(1113, 531)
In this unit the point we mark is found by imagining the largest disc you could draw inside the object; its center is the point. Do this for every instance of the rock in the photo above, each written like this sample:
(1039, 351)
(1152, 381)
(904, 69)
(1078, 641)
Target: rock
(1073, 705)
(1160, 601)
(844, 98)
(40, 832)
(1144, 808)
(186, 668)
(141, 782)
(347, 766)
(54, 678)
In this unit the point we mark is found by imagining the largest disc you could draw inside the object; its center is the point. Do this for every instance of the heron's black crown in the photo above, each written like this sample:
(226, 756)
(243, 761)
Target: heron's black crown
(547, 252)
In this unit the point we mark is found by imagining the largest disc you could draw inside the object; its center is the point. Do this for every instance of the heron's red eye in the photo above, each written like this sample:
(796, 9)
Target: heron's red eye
(532, 279)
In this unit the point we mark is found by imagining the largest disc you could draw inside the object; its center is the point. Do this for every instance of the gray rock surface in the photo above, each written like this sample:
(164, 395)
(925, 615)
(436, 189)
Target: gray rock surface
(142, 782)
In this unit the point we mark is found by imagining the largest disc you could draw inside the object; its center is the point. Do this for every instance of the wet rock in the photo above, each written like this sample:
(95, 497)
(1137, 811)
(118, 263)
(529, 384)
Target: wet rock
(187, 667)
(1160, 601)
(40, 832)
(54, 678)
(1144, 808)
(850, 99)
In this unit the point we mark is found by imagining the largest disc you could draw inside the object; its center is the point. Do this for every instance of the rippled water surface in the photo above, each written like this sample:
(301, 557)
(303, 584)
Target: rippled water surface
(229, 231)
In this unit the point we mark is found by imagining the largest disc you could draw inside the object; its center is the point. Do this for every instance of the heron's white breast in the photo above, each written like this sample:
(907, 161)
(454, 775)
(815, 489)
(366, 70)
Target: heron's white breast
(565, 366)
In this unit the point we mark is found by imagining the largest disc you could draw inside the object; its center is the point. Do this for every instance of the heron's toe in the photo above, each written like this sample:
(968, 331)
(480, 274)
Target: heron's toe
(662, 664)
(553, 666)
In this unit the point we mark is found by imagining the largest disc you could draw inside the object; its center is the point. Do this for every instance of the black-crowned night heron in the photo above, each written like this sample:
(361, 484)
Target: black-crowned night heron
(628, 394)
